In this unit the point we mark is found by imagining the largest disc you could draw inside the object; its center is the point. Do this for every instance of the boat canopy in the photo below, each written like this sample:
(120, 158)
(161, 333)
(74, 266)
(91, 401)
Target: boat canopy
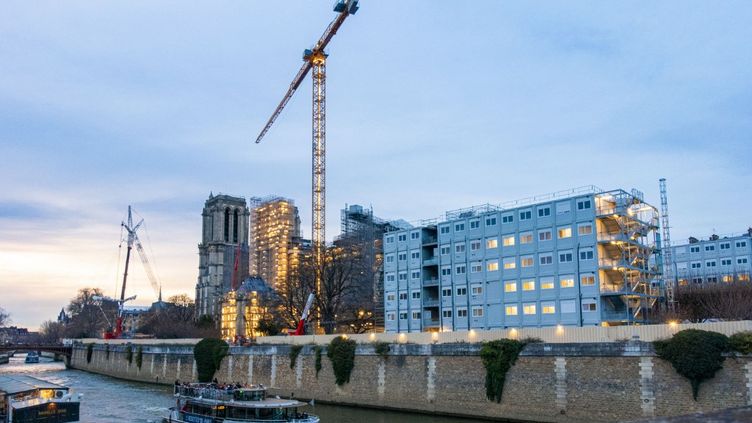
(18, 384)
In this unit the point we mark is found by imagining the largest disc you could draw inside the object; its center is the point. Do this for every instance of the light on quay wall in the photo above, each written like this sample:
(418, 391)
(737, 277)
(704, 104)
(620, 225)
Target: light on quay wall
(471, 335)
(402, 338)
(673, 324)
(559, 329)
(513, 334)
(435, 337)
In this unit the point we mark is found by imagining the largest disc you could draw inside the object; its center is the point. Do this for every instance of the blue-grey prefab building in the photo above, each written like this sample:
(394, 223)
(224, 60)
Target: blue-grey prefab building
(581, 257)
(715, 259)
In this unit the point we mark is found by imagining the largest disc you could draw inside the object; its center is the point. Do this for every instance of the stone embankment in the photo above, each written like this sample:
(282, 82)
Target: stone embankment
(550, 382)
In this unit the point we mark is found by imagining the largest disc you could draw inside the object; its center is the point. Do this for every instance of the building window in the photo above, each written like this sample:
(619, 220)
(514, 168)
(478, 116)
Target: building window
(726, 262)
(510, 286)
(390, 258)
(741, 260)
(475, 267)
(547, 283)
(584, 229)
(695, 249)
(544, 235)
(526, 238)
(526, 261)
(415, 295)
(510, 310)
(710, 263)
(491, 221)
(725, 245)
(474, 224)
(477, 311)
(507, 218)
(741, 244)
(546, 259)
(390, 316)
(462, 291)
(507, 240)
(526, 215)
(459, 248)
(403, 296)
(446, 271)
(565, 257)
(415, 274)
(565, 232)
(415, 255)
(402, 237)
(563, 208)
(416, 315)
(586, 254)
(476, 290)
(447, 314)
(402, 256)
(710, 247)
(390, 297)
(492, 243)
(459, 227)
(567, 306)
(528, 308)
(390, 277)
(460, 270)
(583, 204)
(444, 229)
(510, 263)
(695, 265)
(544, 211)
(492, 265)
(445, 249)
(712, 279)
(403, 316)
(390, 239)
(587, 279)
(446, 292)
(414, 235)
(461, 312)
(528, 285)
(548, 308)
(567, 281)
(696, 280)
(727, 278)
(403, 276)
(589, 306)
(475, 245)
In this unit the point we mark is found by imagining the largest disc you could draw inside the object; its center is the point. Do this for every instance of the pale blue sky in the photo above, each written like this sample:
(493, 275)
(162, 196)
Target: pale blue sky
(156, 103)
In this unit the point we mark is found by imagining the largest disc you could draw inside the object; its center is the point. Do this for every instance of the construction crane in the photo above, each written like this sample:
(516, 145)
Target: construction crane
(132, 241)
(668, 262)
(315, 58)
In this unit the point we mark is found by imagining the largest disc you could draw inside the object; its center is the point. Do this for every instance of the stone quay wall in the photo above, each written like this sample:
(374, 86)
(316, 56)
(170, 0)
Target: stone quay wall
(549, 382)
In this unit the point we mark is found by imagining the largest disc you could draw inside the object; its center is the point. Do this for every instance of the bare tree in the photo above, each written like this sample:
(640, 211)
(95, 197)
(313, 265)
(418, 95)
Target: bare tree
(51, 332)
(4, 317)
(88, 317)
(724, 301)
(176, 320)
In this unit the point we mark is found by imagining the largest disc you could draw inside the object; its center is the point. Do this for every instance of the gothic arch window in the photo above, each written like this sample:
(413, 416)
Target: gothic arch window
(235, 227)
(227, 224)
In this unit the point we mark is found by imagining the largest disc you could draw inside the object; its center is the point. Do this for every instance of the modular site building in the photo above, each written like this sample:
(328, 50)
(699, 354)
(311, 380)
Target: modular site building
(715, 259)
(581, 257)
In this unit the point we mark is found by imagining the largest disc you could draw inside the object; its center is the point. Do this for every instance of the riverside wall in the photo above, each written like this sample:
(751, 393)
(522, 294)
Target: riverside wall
(550, 382)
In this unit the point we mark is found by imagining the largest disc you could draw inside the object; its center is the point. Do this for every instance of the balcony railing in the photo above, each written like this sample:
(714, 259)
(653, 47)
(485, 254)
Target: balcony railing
(430, 261)
(430, 322)
(429, 240)
(430, 302)
(431, 282)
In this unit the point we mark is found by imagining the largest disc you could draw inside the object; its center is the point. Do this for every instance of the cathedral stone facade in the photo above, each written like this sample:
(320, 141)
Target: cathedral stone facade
(223, 252)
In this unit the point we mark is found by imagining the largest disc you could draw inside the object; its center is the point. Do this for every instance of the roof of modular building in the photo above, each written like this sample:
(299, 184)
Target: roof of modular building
(20, 383)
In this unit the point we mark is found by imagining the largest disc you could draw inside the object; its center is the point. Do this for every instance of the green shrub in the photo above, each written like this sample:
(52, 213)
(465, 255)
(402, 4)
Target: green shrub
(294, 352)
(741, 342)
(317, 362)
(89, 352)
(208, 354)
(498, 357)
(139, 356)
(382, 349)
(341, 353)
(129, 354)
(695, 354)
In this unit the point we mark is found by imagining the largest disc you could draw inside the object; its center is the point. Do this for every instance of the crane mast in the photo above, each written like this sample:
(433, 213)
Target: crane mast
(315, 59)
(668, 263)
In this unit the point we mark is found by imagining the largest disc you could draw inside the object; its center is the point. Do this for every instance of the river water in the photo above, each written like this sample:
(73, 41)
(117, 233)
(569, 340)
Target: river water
(110, 400)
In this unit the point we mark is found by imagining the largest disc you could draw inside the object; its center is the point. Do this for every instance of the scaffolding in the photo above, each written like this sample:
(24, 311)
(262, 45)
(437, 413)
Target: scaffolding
(629, 277)
(275, 230)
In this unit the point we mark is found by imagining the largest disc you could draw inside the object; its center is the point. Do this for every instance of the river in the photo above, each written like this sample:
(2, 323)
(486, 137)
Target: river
(110, 400)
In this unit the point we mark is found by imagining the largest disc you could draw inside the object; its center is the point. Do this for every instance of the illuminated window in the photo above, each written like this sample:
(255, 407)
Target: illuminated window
(508, 240)
(510, 286)
(548, 308)
(510, 310)
(565, 232)
(743, 277)
(547, 283)
(587, 280)
(528, 308)
(727, 278)
(528, 285)
(526, 261)
(492, 265)
(492, 243)
(567, 282)
(510, 263)
(526, 238)
(584, 229)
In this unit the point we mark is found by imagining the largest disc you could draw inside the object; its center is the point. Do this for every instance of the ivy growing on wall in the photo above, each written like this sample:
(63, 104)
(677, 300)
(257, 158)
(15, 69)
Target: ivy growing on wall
(695, 354)
(341, 353)
(294, 352)
(208, 354)
(498, 357)
(89, 352)
(139, 356)
(317, 361)
(129, 354)
(107, 351)
(382, 349)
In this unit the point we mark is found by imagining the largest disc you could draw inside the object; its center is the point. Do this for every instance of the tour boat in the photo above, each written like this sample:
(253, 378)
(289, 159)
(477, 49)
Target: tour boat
(213, 403)
(25, 399)
(32, 358)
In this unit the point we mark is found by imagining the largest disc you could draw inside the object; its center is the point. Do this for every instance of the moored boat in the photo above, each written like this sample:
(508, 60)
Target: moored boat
(31, 358)
(213, 403)
(25, 399)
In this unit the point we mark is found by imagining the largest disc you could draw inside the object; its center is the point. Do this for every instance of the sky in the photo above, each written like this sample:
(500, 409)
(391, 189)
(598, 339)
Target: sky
(432, 105)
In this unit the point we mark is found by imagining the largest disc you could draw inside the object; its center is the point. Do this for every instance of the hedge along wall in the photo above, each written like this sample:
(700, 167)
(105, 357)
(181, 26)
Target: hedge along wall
(548, 382)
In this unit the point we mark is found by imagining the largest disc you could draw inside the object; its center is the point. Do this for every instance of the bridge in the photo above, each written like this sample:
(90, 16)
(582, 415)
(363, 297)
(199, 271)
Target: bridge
(57, 349)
